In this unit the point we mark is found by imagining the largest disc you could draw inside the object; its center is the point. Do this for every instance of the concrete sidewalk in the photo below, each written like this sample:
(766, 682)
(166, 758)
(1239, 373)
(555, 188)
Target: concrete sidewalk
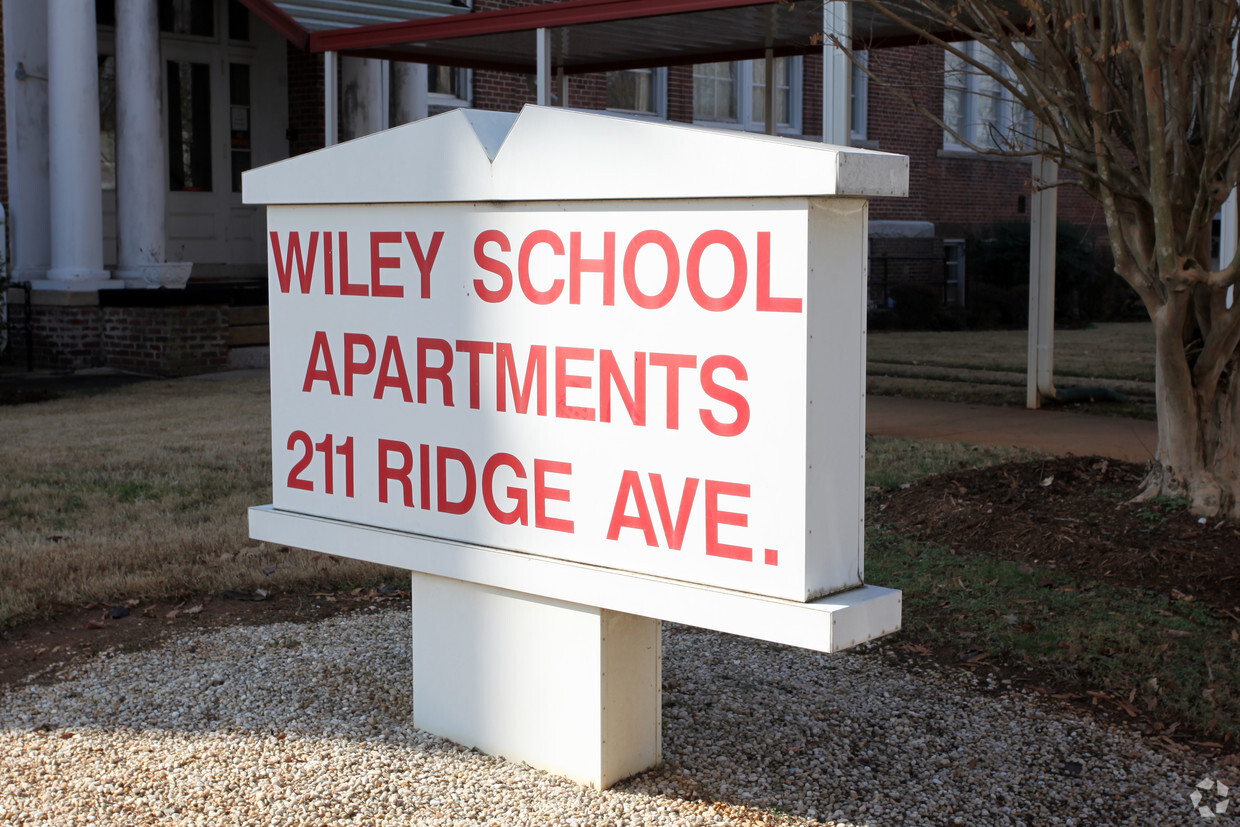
(1053, 432)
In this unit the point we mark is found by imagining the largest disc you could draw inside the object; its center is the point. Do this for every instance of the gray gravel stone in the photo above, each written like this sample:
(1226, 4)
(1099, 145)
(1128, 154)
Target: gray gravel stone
(295, 724)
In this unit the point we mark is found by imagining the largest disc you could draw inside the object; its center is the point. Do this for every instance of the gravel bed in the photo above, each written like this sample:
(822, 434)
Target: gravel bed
(307, 724)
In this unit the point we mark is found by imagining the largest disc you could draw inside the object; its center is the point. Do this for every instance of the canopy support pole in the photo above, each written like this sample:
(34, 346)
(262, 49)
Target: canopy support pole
(836, 73)
(543, 79)
(1040, 373)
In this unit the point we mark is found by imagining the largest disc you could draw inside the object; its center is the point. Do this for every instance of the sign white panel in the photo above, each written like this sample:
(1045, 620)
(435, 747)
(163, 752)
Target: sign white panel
(623, 385)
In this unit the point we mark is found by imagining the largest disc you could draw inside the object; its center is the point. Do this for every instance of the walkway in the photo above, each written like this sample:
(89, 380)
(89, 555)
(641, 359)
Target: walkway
(1053, 432)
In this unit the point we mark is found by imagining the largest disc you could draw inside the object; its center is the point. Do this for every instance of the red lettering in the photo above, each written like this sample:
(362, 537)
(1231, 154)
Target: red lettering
(542, 493)
(328, 262)
(399, 475)
(475, 351)
(520, 510)
(672, 277)
(694, 275)
(565, 380)
(491, 265)
(506, 377)
(425, 260)
(440, 371)
(673, 362)
(634, 402)
(380, 262)
(523, 267)
(716, 517)
(320, 352)
(353, 367)
(727, 396)
(284, 264)
(443, 504)
(675, 533)
(392, 371)
(765, 301)
(424, 464)
(631, 488)
(605, 266)
(348, 288)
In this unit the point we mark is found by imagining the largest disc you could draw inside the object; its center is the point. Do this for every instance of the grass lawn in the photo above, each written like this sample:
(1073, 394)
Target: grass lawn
(141, 493)
(989, 366)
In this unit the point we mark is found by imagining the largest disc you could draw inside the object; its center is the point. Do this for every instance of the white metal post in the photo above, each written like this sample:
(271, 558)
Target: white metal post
(836, 73)
(543, 79)
(331, 111)
(1040, 374)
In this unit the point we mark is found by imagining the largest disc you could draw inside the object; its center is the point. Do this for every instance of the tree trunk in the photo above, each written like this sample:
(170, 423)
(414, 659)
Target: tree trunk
(1198, 427)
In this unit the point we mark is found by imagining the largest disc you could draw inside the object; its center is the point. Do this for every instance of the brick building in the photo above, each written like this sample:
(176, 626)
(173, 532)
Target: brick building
(148, 260)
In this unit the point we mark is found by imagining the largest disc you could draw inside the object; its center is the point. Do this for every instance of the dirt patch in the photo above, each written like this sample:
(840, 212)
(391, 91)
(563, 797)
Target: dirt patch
(38, 648)
(1074, 515)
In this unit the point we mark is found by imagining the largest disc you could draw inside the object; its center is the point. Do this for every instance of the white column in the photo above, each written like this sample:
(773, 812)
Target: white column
(363, 93)
(836, 73)
(574, 690)
(1040, 372)
(73, 126)
(140, 159)
(409, 95)
(543, 79)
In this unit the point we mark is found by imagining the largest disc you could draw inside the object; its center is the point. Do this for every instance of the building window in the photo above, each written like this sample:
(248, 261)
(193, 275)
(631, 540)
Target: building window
(189, 126)
(860, 98)
(977, 110)
(447, 88)
(639, 91)
(193, 17)
(239, 116)
(734, 94)
(238, 22)
(715, 92)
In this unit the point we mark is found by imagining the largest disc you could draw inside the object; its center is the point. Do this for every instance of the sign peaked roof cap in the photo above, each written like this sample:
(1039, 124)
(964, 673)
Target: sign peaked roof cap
(553, 154)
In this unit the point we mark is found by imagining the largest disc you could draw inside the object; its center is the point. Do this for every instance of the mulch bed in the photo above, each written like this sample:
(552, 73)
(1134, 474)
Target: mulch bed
(1074, 515)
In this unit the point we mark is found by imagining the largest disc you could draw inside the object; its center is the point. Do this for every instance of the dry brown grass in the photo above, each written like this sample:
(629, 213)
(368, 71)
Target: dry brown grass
(141, 493)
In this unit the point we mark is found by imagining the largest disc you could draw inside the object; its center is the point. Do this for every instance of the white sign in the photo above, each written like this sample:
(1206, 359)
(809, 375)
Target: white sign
(622, 385)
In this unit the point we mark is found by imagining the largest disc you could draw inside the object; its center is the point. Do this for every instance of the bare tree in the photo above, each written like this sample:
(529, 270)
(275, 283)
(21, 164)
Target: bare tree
(1139, 99)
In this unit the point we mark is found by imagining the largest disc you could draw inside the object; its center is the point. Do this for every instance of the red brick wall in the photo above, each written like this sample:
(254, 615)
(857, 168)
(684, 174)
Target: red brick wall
(65, 338)
(167, 341)
(164, 341)
(957, 191)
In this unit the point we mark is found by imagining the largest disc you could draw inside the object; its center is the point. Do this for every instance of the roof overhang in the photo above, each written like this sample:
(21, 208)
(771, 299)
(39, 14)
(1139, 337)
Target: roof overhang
(587, 35)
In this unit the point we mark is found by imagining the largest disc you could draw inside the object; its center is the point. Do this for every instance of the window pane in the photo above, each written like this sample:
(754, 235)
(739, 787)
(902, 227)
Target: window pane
(196, 17)
(714, 91)
(632, 90)
(189, 126)
(239, 114)
(238, 21)
(783, 91)
(443, 80)
(107, 120)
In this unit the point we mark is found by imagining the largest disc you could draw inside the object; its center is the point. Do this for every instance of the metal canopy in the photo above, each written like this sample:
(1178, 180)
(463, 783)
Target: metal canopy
(586, 35)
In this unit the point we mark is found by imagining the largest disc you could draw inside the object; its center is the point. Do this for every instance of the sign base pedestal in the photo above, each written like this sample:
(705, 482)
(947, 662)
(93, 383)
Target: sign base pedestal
(574, 690)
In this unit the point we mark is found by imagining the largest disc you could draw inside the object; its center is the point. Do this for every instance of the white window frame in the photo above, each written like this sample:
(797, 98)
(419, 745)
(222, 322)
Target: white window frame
(660, 98)
(976, 130)
(743, 92)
